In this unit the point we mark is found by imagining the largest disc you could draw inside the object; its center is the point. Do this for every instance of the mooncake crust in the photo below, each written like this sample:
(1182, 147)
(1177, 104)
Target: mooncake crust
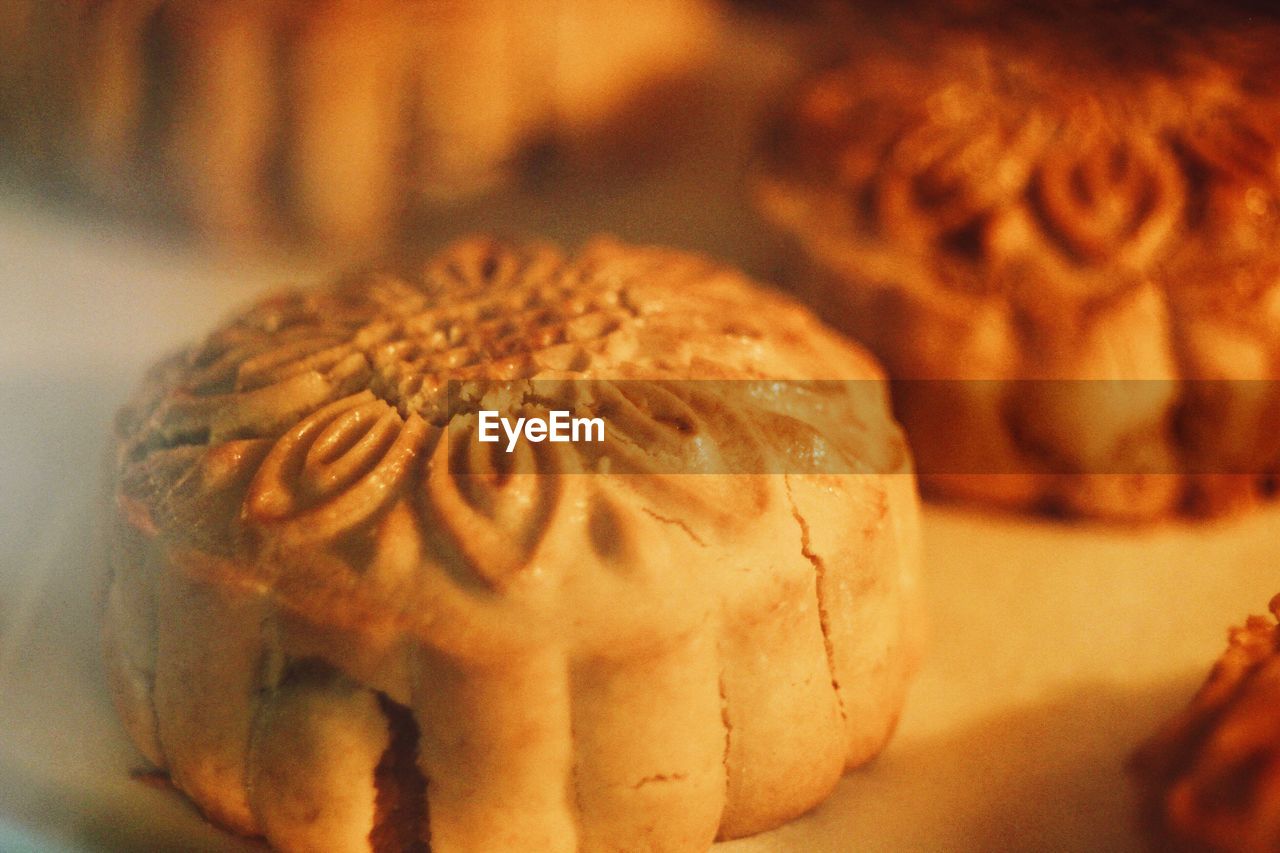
(1209, 780)
(326, 124)
(1089, 197)
(305, 588)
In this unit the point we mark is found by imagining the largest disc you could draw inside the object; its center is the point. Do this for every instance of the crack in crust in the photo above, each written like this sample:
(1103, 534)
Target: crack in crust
(819, 578)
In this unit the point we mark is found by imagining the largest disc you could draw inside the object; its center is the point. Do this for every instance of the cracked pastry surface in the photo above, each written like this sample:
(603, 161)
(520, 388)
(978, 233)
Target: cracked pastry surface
(1095, 197)
(333, 630)
(330, 120)
(1210, 779)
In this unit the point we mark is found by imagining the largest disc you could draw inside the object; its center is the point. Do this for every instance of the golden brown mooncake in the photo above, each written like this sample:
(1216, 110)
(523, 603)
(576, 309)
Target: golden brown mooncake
(1210, 779)
(1072, 225)
(331, 120)
(332, 630)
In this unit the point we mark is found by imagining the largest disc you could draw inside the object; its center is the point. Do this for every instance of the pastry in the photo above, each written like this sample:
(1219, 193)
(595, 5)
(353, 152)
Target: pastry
(1059, 236)
(334, 120)
(338, 620)
(1210, 780)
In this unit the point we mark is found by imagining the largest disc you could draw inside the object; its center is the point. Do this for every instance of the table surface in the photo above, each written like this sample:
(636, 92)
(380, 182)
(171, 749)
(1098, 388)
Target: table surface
(1055, 647)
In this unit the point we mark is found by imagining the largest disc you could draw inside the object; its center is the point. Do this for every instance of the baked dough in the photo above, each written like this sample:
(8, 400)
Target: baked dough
(317, 612)
(332, 119)
(1090, 202)
(1209, 780)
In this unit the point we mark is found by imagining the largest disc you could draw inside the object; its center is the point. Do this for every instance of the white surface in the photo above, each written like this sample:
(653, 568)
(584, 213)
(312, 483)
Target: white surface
(1054, 647)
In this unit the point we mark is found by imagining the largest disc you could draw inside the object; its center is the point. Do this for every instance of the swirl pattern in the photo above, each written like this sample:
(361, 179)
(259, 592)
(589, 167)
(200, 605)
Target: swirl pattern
(494, 506)
(335, 469)
(362, 395)
(976, 158)
(1105, 199)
